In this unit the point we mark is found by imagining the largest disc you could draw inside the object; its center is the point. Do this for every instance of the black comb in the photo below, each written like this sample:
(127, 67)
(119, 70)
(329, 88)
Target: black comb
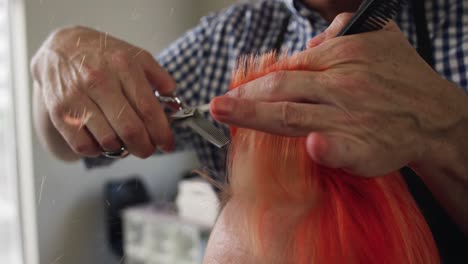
(372, 15)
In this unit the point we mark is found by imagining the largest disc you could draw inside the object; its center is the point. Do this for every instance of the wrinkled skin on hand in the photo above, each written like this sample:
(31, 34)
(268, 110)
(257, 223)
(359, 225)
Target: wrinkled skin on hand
(97, 92)
(371, 105)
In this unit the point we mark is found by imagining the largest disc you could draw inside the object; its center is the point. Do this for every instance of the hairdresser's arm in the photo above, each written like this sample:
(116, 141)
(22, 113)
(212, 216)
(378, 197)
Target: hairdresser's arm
(370, 106)
(93, 92)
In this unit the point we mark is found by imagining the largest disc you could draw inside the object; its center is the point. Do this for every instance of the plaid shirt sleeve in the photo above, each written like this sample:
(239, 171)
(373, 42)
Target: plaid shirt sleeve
(186, 60)
(201, 62)
(449, 30)
(459, 64)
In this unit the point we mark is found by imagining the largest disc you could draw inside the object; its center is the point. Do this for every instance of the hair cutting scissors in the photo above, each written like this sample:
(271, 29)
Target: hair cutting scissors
(184, 115)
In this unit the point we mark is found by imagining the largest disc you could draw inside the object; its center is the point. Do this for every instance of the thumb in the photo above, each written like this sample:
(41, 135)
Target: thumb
(317, 40)
(331, 151)
(332, 31)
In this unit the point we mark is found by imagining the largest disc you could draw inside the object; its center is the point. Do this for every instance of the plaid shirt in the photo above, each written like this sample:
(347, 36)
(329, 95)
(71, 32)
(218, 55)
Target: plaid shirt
(201, 61)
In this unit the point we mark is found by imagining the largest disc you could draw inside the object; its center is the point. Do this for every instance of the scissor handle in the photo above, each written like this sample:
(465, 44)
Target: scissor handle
(170, 100)
(182, 111)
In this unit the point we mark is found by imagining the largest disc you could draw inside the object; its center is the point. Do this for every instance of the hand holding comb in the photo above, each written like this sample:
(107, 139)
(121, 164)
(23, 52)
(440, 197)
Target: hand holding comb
(372, 15)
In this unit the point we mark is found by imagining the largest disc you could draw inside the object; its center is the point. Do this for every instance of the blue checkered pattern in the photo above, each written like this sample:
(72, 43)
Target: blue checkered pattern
(202, 60)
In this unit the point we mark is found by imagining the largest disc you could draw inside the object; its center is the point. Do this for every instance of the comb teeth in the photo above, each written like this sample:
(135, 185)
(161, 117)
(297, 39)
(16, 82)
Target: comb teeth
(208, 130)
(373, 15)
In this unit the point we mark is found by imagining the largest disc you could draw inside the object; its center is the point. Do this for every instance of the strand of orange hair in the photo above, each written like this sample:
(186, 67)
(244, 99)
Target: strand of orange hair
(345, 218)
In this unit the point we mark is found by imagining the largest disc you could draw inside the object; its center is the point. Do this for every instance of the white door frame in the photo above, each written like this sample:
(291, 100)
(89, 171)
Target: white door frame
(23, 116)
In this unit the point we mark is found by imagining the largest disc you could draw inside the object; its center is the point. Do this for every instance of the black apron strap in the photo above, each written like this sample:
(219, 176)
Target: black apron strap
(424, 42)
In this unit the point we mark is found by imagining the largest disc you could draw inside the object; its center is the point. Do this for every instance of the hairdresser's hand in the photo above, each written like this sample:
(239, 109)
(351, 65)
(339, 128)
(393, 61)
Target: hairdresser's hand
(97, 93)
(369, 103)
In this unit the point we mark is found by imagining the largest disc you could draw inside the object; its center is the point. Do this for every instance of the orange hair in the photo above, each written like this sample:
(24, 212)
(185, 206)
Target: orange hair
(344, 218)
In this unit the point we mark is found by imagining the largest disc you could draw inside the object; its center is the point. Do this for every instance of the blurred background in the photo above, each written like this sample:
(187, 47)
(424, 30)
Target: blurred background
(52, 212)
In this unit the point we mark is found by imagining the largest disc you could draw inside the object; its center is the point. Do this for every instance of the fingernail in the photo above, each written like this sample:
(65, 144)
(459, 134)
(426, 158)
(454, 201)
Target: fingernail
(161, 149)
(168, 145)
(223, 105)
(166, 148)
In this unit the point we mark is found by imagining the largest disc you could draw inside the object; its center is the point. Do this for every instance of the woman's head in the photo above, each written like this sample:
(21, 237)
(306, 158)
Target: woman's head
(262, 208)
(284, 208)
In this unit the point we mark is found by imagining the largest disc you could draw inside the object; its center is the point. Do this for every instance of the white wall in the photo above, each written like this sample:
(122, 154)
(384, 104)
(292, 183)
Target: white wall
(69, 203)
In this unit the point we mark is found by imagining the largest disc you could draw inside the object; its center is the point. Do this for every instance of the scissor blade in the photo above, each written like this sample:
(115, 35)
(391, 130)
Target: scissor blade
(203, 108)
(188, 112)
(207, 130)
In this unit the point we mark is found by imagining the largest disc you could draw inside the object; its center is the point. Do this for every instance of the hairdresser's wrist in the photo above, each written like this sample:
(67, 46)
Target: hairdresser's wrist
(445, 173)
(444, 166)
(443, 123)
(446, 141)
(446, 160)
